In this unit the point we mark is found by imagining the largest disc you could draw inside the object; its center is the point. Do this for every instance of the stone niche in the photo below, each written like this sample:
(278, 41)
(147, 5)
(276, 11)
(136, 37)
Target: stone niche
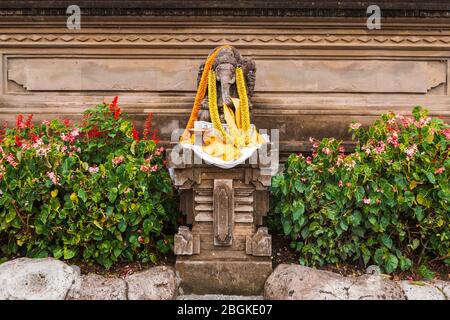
(224, 247)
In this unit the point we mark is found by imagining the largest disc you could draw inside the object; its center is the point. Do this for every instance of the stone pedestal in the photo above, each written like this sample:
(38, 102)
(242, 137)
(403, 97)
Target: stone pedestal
(224, 248)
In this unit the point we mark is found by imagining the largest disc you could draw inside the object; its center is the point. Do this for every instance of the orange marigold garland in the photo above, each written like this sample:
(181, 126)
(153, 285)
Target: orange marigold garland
(201, 91)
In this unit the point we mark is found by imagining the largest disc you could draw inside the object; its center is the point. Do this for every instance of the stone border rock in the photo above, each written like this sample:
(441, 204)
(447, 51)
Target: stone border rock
(295, 282)
(50, 279)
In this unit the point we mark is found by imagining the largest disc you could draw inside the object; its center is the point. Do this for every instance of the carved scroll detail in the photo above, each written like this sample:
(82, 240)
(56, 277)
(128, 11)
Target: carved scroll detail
(223, 201)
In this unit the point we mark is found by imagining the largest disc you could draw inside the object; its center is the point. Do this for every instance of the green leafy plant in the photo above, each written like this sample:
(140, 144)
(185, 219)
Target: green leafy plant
(387, 203)
(94, 191)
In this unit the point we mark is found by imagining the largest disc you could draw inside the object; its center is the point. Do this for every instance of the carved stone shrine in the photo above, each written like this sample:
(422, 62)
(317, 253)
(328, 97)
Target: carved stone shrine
(227, 249)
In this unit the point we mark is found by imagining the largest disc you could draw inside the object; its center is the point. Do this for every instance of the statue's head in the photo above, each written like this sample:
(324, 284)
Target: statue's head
(225, 64)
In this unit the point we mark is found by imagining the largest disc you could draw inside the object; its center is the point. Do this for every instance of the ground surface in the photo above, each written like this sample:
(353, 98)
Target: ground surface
(282, 254)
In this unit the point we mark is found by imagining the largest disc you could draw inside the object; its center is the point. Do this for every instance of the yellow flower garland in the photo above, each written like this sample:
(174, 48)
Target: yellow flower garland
(243, 104)
(238, 134)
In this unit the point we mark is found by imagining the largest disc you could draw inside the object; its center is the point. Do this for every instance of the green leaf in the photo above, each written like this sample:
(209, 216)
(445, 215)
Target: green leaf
(82, 194)
(122, 226)
(355, 218)
(405, 264)
(133, 239)
(425, 272)
(69, 253)
(391, 263)
(112, 194)
(419, 213)
(359, 193)
(98, 224)
(409, 197)
(287, 227)
(10, 216)
(386, 241)
(58, 252)
(430, 177)
(298, 209)
(415, 244)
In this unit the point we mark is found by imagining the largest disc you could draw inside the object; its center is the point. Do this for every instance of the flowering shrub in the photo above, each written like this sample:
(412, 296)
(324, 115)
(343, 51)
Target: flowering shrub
(387, 203)
(94, 191)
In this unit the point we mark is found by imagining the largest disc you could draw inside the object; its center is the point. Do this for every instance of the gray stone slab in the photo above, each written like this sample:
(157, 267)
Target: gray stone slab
(421, 291)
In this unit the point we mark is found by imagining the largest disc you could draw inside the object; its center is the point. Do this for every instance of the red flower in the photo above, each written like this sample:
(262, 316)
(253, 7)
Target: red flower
(33, 137)
(94, 132)
(28, 123)
(66, 122)
(19, 123)
(154, 136)
(116, 113)
(112, 106)
(18, 141)
(135, 133)
(3, 130)
(147, 126)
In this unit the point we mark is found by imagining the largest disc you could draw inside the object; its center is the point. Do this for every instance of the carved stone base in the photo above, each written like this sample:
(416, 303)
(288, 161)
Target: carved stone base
(224, 248)
(223, 277)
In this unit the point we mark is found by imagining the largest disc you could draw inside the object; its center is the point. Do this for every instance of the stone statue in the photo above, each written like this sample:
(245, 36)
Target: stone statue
(225, 65)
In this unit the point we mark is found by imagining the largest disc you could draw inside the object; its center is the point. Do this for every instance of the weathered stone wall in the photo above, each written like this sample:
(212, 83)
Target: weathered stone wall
(314, 75)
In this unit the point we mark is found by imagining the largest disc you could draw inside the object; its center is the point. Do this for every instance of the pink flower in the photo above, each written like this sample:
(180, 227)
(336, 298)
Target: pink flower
(93, 169)
(341, 149)
(46, 122)
(51, 175)
(440, 170)
(145, 168)
(391, 121)
(154, 168)
(393, 140)
(366, 200)
(406, 121)
(381, 147)
(42, 151)
(411, 151)
(446, 133)
(308, 160)
(326, 150)
(422, 122)
(117, 160)
(11, 160)
(355, 125)
(159, 151)
(340, 183)
(70, 137)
